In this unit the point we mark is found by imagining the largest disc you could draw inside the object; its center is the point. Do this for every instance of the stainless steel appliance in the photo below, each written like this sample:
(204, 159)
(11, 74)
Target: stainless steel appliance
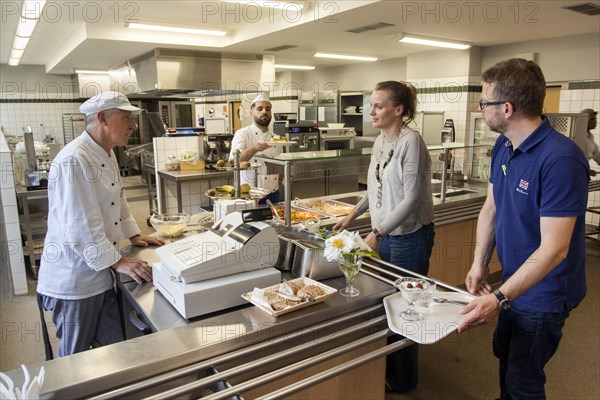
(336, 138)
(306, 134)
(177, 114)
(327, 107)
(216, 147)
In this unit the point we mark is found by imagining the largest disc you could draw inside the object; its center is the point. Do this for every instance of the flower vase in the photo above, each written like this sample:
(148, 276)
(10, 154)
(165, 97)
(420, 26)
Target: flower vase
(350, 265)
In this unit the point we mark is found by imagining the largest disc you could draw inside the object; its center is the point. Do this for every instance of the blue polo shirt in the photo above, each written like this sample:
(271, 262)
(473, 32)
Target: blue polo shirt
(547, 176)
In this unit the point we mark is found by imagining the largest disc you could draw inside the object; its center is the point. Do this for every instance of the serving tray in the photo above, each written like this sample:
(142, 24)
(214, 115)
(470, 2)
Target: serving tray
(439, 319)
(330, 207)
(306, 282)
(230, 168)
(281, 144)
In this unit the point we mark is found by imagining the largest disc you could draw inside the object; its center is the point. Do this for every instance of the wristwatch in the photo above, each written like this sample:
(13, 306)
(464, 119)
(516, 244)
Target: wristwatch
(378, 235)
(504, 301)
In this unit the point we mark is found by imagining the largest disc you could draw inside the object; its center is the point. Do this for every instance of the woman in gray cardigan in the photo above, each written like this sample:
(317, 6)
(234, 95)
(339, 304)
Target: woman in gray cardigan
(400, 203)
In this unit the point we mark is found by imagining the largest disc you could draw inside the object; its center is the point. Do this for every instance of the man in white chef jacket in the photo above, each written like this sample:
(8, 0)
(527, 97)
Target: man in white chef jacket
(253, 140)
(87, 217)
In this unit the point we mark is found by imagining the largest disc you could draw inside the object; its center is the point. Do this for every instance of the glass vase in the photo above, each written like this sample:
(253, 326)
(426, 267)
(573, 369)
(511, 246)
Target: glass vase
(350, 265)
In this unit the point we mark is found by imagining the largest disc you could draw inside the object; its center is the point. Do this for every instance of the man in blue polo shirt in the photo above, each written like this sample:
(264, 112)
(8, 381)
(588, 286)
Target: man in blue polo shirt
(534, 215)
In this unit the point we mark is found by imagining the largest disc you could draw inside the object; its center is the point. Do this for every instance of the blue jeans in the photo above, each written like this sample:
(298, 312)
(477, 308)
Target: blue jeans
(524, 341)
(410, 252)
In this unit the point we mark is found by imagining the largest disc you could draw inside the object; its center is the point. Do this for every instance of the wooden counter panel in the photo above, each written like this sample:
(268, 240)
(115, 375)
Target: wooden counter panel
(452, 253)
(366, 382)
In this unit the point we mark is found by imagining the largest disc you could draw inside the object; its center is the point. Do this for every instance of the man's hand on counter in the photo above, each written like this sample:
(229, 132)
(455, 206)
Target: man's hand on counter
(145, 241)
(139, 270)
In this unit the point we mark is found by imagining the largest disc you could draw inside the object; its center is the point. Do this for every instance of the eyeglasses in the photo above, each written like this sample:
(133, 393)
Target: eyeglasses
(484, 104)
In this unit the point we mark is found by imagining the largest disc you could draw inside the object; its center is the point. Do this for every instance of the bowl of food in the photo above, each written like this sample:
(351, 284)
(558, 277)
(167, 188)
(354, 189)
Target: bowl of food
(335, 126)
(170, 225)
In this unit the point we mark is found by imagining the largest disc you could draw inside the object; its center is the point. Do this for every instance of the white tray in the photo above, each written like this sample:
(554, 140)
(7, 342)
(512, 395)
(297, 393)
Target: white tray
(307, 281)
(281, 144)
(229, 168)
(439, 319)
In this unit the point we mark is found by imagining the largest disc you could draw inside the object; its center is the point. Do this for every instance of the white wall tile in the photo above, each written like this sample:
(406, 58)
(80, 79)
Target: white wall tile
(11, 215)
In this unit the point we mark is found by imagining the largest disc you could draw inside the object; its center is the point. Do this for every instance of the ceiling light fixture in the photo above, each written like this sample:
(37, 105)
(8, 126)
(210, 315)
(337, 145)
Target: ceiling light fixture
(285, 66)
(163, 28)
(292, 5)
(429, 41)
(30, 15)
(90, 72)
(345, 57)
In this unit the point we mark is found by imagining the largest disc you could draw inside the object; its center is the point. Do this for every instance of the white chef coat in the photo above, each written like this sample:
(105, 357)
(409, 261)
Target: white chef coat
(591, 148)
(88, 215)
(249, 136)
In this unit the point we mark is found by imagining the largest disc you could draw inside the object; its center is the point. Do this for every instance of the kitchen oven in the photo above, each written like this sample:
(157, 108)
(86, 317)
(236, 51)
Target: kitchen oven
(336, 138)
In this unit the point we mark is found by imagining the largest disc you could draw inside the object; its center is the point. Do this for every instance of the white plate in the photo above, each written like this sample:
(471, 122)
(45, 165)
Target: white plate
(307, 281)
(439, 319)
(281, 144)
(254, 193)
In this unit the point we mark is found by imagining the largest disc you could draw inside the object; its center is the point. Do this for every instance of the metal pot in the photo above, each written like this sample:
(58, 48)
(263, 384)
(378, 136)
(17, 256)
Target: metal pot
(287, 247)
(310, 261)
(286, 253)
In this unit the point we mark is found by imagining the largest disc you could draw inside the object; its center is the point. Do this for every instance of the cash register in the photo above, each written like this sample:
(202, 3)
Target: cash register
(209, 271)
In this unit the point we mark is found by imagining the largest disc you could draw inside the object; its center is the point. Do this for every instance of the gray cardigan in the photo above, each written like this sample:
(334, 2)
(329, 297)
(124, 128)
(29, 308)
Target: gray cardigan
(406, 198)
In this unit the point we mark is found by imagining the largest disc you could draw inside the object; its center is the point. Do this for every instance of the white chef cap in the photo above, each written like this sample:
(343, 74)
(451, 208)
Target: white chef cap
(260, 97)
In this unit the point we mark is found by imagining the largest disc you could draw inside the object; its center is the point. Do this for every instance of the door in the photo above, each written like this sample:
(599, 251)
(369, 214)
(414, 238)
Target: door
(235, 118)
(552, 100)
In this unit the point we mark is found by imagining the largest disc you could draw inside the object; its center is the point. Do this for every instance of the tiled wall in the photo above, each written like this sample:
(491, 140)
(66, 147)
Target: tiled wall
(44, 118)
(193, 198)
(12, 254)
(457, 97)
(573, 101)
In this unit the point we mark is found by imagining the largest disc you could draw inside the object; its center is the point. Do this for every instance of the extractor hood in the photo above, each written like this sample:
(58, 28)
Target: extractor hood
(183, 73)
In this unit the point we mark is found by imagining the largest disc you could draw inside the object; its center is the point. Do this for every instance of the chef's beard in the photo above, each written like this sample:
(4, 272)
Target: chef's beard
(260, 122)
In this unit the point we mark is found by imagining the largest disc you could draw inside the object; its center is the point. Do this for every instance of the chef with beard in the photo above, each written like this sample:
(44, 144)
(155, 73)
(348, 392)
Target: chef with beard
(253, 140)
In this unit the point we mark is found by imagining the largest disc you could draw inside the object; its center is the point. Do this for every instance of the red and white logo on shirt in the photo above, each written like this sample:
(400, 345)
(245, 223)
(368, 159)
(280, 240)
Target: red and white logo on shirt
(523, 184)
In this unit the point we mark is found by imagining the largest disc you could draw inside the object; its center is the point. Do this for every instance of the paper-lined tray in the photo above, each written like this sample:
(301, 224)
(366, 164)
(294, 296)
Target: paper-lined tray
(439, 319)
(301, 282)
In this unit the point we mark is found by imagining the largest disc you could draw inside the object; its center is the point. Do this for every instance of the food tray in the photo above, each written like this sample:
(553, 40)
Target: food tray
(305, 282)
(329, 207)
(439, 319)
(228, 168)
(254, 193)
(281, 144)
(298, 214)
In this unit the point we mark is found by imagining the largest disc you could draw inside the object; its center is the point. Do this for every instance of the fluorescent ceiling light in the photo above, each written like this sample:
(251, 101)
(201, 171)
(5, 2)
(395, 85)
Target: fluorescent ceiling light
(16, 54)
(345, 57)
(284, 66)
(163, 28)
(26, 27)
(30, 13)
(86, 71)
(32, 9)
(270, 4)
(450, 44)
(20, 43)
